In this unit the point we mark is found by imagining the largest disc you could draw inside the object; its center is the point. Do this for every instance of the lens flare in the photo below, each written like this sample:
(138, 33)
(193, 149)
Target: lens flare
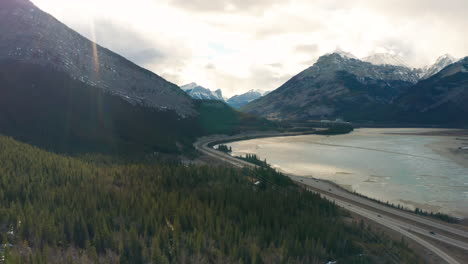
(94, 47)
(100, 120)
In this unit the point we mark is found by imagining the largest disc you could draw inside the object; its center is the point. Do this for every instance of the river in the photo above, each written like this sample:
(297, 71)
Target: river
(402, 166)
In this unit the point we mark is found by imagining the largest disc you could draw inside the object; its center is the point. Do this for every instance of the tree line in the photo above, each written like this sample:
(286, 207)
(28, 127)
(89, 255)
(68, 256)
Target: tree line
(62, 209)
(224, 148)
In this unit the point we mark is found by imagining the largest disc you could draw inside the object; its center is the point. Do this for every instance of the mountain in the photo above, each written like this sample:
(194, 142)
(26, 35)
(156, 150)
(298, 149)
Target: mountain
(341, 86)
(47, 108)
(30, 35)
(343, 54)
(64, 93)
(440, 99)
(440, 64)
(238, 101)
(337, 85)
(396, 60)
(386, 59)
(199, 92)
(189, 86)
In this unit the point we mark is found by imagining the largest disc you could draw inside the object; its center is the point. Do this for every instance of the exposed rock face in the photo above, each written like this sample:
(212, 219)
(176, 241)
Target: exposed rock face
(337, 85)
(340, 86)
(440, 64)
(201, 93)
(439, 99)
(189, 86)
(30, 35)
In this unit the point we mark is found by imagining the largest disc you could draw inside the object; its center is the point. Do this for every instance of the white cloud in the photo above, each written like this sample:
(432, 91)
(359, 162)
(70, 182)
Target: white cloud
(238, 45)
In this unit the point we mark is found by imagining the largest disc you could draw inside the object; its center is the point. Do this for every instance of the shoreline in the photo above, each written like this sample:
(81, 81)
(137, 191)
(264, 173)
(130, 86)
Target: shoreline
(439, 147)
(256, 135)
(400, 207)
(418, 228)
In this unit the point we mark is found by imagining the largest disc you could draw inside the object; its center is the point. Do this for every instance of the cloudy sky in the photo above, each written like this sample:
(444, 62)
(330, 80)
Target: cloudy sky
(238, 45)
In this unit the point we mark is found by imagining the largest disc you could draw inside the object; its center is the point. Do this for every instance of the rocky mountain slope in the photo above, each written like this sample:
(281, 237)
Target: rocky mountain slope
(201, 93)
(336, 85)
(47, 108)
(339, 85)
(442, 62)
(30, 35)
(439, 99)
(62, 92)
(386, 59)
(238, 101)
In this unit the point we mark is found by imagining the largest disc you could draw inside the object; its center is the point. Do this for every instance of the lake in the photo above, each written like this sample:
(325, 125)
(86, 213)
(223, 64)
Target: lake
(396, 165)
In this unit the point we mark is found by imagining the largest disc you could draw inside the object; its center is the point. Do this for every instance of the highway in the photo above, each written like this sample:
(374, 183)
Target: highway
(417, 228)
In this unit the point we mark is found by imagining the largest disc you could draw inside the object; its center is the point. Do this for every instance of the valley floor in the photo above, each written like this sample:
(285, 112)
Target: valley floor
(418, 229)
(101, 209)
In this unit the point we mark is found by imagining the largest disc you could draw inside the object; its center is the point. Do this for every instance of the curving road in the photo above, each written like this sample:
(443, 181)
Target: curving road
(390, 223)
(410, 225)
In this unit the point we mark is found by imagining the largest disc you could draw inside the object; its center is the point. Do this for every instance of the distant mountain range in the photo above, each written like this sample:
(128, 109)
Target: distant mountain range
(201, 93)
(372, 89)
(63, 92)
(237, 101)
(440, 64)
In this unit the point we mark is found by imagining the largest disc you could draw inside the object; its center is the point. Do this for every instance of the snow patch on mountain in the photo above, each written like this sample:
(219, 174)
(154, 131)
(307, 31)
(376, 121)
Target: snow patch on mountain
(240, 100)
(201, 93)
(189, 86)
(343, 54)
(386, 59)
(34, 37)
(442, 62)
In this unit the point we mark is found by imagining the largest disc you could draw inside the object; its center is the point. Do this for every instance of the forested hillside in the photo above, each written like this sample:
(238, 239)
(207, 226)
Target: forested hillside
(217, 117)
(58, 209)
(64, 93)
(44, 107)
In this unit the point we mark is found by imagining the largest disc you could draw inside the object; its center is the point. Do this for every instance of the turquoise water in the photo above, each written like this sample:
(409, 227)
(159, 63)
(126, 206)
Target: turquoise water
(401, 169)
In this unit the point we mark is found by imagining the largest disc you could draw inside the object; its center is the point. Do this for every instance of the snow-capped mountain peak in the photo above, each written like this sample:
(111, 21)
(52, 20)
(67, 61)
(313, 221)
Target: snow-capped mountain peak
(240, 100)
(189, 86)
(219, 94)
(386, 59)
(199, 92)
(344, 54)
(255, 91)
(446, 57)
(441, 62)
